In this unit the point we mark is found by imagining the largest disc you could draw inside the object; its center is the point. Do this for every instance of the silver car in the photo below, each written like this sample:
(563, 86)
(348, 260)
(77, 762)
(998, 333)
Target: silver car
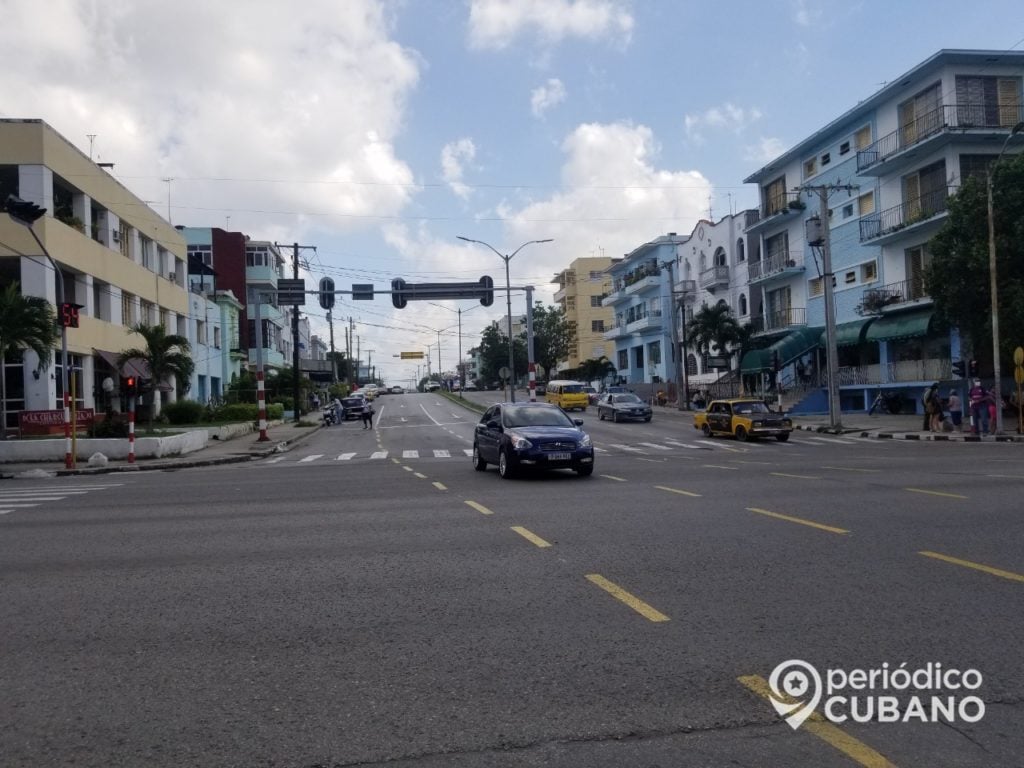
(621, 406)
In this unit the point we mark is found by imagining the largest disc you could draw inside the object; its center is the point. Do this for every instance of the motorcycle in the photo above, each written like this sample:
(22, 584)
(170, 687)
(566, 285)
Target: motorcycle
(890, 402)
(329, 416)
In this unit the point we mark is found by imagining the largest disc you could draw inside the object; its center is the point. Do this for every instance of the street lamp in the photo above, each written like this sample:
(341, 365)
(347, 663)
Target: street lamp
(508, 301)
(996, 368)
(26, 214)
(458, 365)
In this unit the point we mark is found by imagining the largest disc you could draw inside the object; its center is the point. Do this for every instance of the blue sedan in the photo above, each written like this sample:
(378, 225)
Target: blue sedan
(516, 436)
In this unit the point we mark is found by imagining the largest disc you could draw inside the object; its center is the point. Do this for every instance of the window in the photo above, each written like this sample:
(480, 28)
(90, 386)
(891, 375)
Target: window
(216, 336)
(200, 332)
(775, 196)
(777, 247)
(596, 276)
(810, 167)
(691, 364)
(654, 353)
(743, 305)
(869, 272)
(975, 167)
(595, 301)
(740, 251)
(638, 357)
(844, 148)
(862, 138)
(623, 359)
(127, 318)
(850, 277)
(816, 287)
(826, 159)
(921, 116)
(721, 260)
(987, 101)
(848, 211)
(866, 204)
(597, 326)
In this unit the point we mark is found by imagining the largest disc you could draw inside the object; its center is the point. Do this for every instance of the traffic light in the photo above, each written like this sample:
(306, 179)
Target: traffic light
(486, 291)
(959, 368)
(972, 368)
(67, 315)
(326, 293)
(398, 297)
(130, 386)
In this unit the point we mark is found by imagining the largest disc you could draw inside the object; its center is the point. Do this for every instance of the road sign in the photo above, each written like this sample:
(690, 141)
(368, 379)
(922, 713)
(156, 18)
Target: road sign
(504, 372)
(291, 291)
(403, 292)
(411, 355)
(362, 292)
(718, 361)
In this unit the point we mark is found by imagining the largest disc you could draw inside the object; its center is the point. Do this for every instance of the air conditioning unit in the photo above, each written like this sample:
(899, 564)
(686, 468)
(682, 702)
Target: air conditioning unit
(172, 276)
(116, 236)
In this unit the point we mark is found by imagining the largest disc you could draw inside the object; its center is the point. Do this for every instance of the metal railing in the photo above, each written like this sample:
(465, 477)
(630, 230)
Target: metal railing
(772, 265)
(989, 115)
(786, 202)
(779, 320)
(717, 275)
(929, 369)
(911, 289)
(905, 214)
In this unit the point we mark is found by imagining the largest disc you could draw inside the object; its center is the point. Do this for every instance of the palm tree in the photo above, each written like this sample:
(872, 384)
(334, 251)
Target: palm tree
(26, 322)
(596, 369)
(166, 355)
(713, 326)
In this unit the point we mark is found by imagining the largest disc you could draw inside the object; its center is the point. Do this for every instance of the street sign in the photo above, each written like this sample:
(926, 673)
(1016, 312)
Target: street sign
(504, 372)
(403, 292)
(718, 361)
(362, 292)
(291, 291)
(411, 355)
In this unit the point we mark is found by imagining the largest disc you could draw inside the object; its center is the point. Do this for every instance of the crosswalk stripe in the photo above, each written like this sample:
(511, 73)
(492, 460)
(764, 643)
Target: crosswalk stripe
(275, 460)
(379, 455)
(622, 447)
(410, 454)
(312, 457)
(719, 445)
(655, 445)
(440, 453)
(345, 456)
(468, 451)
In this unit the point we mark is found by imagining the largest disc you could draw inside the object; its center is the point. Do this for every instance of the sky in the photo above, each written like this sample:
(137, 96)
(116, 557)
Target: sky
(381, 131)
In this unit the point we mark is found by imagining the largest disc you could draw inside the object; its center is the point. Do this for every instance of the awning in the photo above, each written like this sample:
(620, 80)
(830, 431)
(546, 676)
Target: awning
(903, 326)
(791, 346)
(849, 334)
(753, 361)
(133, 367)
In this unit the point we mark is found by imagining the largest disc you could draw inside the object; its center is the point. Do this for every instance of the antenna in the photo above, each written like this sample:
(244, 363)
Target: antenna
(92, 138)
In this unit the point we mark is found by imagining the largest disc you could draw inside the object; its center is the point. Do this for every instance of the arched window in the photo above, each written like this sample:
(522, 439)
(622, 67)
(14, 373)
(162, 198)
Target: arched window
(722, 303)
(743, 304)
(721, 260)
(740, 252)
(703, 261)
(691, 364)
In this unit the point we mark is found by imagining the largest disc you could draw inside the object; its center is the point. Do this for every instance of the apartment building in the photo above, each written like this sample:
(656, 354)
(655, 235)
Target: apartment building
(581, 289)
(889, 165)
(115, 257)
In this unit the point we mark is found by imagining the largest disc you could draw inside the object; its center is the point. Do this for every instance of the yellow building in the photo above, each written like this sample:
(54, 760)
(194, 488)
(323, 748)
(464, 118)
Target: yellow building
(117, 259)
(580, 290)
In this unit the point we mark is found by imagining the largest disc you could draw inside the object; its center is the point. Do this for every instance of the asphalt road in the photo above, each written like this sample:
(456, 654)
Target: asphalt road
(368, 598)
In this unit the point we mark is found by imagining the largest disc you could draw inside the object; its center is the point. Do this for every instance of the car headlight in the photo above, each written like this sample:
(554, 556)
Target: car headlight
(585, 441)
(758, 424)
(519, 442)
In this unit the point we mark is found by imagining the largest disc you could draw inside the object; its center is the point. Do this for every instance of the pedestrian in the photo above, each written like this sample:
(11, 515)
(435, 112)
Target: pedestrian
(956, 409)
(339, 411)
(933, 408)
(316, 401)
(367, 414)
(976, 397)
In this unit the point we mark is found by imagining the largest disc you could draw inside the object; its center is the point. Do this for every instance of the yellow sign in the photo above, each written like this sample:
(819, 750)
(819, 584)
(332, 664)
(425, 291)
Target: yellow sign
(1018, 375)
(1018, 356)
(412, 355)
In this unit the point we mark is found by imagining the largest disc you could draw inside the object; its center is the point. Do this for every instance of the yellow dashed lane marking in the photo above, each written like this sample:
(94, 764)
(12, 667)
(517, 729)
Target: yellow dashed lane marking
(676, 490)
(800, 520)
(976, 566)
(936, 493)
(479, 508)
(440, 486)
(638, 605)
(831, 734)
(531, 537)
(420, 475)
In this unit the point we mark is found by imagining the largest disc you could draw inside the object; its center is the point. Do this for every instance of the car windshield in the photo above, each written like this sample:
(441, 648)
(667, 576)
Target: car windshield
(750, 408)
(572, 388)
(534, 416)
(627, 398)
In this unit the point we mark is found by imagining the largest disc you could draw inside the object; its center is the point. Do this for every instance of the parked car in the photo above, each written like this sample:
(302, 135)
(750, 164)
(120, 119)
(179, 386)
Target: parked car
(619, 406)
(540, 388)
(352, 406)
(470, 386)
(430, 386)
(517, 436)
(745, 418)
(615, 390)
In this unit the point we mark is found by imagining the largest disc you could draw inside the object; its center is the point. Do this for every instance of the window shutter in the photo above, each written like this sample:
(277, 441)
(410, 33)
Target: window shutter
(1008, 90)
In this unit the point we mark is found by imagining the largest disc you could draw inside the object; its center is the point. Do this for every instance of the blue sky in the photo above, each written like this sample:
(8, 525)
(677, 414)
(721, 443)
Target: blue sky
(378, 131)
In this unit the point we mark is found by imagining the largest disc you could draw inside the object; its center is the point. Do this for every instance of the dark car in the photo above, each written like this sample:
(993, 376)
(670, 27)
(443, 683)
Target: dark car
(352, 407)
(540, 388)
(620, 406)
(517, 436)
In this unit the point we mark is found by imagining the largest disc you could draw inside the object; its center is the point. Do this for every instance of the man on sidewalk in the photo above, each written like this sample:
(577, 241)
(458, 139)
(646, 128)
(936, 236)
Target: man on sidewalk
(977, 397)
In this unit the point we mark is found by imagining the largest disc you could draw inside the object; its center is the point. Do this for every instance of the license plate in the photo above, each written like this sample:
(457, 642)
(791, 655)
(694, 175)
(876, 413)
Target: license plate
(559, 456)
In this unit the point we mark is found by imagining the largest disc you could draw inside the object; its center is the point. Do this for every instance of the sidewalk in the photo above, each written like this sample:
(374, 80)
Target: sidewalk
(282, 437)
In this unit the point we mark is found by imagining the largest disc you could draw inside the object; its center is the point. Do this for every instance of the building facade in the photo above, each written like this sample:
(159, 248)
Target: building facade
(581, 290)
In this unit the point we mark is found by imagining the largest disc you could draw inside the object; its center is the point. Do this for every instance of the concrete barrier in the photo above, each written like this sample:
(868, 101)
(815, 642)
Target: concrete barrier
(12, 451)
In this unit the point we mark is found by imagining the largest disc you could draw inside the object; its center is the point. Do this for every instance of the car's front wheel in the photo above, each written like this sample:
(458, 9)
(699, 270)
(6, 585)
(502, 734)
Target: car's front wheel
(782, 437)
(615, 417)
(647, 419)
(585, 470)
(505, 465)
(706, 429)
(600, 415)
(741, 434)
(478, 463)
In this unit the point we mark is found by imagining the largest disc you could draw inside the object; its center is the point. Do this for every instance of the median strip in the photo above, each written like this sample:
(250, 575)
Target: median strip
(638, 605)
(677, 490)
(831, 734)
(479, 508)
(799, 520)
(976, 566)
(936, 493)
(531, 537)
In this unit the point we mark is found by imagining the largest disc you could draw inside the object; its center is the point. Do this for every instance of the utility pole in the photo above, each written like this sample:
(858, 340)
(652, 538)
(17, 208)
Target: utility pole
(359, 358)
(334, 360)
(824, 240)
(682, 385)
(531, 364)
(295, 327)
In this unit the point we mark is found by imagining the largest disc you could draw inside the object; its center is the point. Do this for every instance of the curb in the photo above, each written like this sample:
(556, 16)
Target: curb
(919, 436)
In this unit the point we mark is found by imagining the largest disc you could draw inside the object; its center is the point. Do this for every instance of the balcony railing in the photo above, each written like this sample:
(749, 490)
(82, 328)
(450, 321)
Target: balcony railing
(874, 300)
(714, 276)
(929, 369)
(904, 215)
(948, 117)
(774, 265)
(779, 320)
(786, 202)
(643, 283)
(651, 320)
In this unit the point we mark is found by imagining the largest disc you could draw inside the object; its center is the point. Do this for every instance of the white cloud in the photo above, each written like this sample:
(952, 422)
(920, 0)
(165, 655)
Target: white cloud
(546, 96)
(804, 14)
(301, 97)
(766, 150)
(726, 117)
(453, 156)
(496, 23)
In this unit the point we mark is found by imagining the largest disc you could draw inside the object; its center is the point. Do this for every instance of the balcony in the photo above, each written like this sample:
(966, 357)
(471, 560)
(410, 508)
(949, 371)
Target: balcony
(643, 283)
(936, 128)
(714, 277)
(616, 331)
(775, 209)
(876, 301)
(613, 297)
(891, 223)
(647, 322)
(774, 266)
(780, 320)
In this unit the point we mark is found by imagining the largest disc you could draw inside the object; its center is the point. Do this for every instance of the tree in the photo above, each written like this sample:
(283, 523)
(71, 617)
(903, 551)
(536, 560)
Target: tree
(550, 336)
(494, 353)
(713, 326)
(26, 322)
(595, 369)
(957, 278)
(166, 355)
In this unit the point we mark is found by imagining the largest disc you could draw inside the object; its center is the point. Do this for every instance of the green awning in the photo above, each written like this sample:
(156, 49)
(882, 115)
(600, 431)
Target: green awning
(849, 334)
(753, 361)
(907, 325)
(791, 346)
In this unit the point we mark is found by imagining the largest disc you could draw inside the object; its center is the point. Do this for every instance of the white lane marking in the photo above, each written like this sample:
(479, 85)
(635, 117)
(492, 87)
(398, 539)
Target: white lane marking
(600, 450)
(441, 454)
(275, 460)
(311, 457)
(13, 500)
(655, 445)
(20, 505)
(345, 457)
(622, 447)
(410, 454)
(379, 455)
(468, 451)
(436, 422)
(718, 445)
(829, 440)
(19, 494)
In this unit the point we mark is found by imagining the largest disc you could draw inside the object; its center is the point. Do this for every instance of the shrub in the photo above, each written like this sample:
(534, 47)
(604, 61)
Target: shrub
(184, 412)
(237, 412)
(109, 427)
